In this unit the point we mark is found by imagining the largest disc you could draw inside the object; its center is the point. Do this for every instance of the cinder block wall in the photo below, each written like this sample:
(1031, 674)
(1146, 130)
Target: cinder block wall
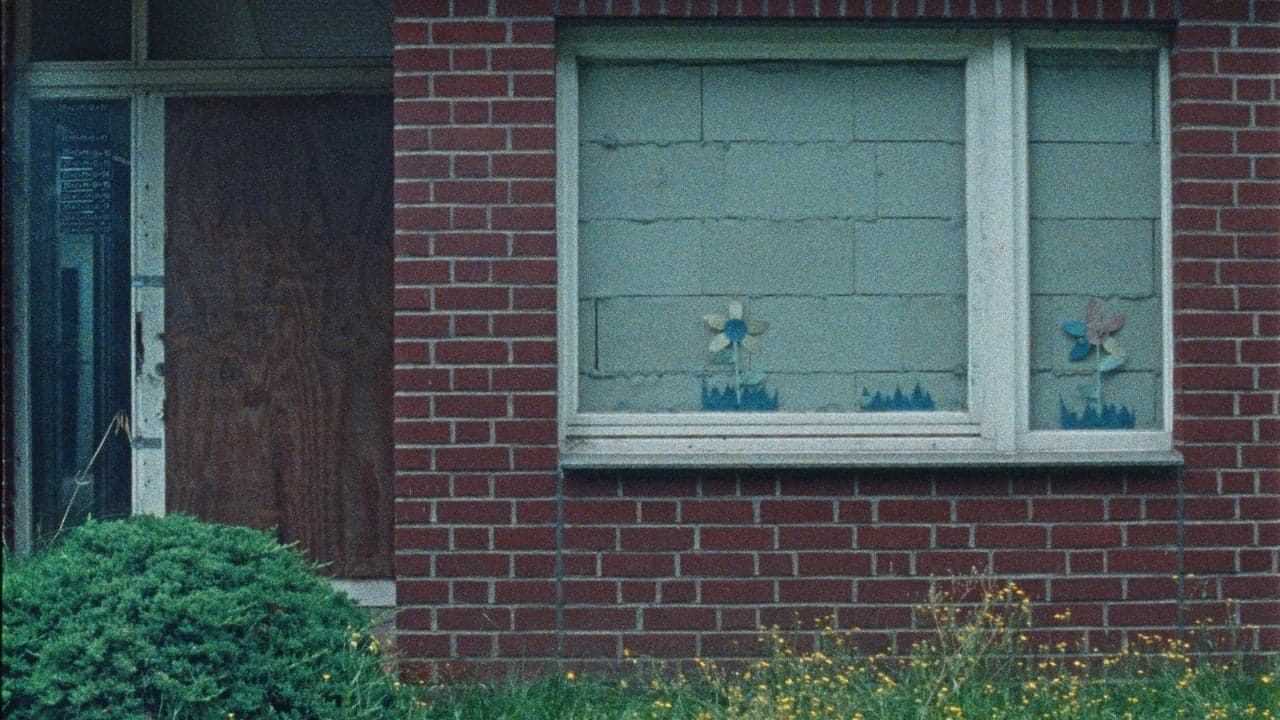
(689, 563)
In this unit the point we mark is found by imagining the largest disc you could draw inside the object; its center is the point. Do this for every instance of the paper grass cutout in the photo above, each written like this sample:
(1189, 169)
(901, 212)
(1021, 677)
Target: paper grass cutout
(735, 337)
(898, 401)
(1096, 335)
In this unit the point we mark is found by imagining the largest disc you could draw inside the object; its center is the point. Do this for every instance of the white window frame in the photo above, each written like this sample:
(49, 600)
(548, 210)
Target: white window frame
(994, 428)
(146, 84)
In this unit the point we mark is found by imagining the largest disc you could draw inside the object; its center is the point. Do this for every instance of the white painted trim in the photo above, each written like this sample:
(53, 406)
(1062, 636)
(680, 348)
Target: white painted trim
(368, 593)
(995, 429)
(567, 240)
(60, 79)
(146, 351)
(1164, 103)
(20, 274)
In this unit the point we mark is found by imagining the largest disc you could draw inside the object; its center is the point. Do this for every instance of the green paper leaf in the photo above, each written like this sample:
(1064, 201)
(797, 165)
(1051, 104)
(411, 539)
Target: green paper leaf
(723, 357)
(1089, 391)
(1110, 362)
(751, 378)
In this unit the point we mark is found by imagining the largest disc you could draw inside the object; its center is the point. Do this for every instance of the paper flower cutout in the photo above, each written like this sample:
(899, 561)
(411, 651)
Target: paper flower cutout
(732, 329)
(734, 337)
(1096, 332)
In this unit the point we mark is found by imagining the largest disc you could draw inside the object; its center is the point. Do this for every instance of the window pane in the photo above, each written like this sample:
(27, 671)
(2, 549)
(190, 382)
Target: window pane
(1094, 162)
(826, 200)
(222, 29)
(79, 308)
(80, 30)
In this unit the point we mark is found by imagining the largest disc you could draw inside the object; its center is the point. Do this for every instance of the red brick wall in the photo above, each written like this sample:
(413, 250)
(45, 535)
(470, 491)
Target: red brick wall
(690, 563)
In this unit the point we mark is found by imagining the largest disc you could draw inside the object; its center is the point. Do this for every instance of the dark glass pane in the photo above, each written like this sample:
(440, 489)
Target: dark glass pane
(79, 310)
(261, 29)
(80, 30)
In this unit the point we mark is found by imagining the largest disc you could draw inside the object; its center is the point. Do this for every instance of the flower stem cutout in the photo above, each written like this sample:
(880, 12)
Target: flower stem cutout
(735, 337)
(1096, 336)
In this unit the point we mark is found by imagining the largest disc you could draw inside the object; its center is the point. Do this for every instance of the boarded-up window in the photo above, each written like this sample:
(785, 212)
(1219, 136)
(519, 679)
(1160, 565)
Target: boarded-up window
(278, 320)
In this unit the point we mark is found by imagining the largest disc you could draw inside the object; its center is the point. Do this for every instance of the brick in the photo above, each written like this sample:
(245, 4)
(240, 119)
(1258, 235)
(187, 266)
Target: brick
(1190, 62)
(736, 538)
(1211, 166)
(468, 138)
(952, 563)
(1214, 430)
(1201, 88)
(1252, 63)
(1204, 298)
(1258, 193)
(1192, 36)
(1203, 193)
(833, 563)
(469, 85)
(1215, 10)
(796, 511)
(524, 378)
(1023, 536)
(893, 536)
(815, 537)
(1075, 589)
(468, 32)
(1253, 272)
(1076, 536)
(1067, 509)
(1023, 562)
(525, 165)
(1219, 324)
(657, 538)
(914, 511)
(815, 591)
(717, 564)
(895, 591)
(716, 511)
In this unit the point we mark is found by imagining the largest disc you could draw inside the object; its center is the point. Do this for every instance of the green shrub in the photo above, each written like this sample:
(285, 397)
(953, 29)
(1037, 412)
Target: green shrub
(175, 618)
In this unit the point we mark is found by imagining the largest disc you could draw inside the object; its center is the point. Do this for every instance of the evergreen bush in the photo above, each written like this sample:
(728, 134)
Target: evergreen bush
(176, 618)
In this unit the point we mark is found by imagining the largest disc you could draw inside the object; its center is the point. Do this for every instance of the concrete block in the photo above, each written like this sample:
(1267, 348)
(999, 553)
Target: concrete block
(1094, 257)
(768, 257)
(1050, 346)
(586, 335)
(1091, 104)
(895, 257)
(1075, 180)
(623, 257)
(652, 102)
(651, 182)
(778, 101)
(830, 334)
(653, 334)
(910, 101)
(811, 180)
(726, 180)
(919, 180)
(1136, 390)
(934, 333)
(656, 392)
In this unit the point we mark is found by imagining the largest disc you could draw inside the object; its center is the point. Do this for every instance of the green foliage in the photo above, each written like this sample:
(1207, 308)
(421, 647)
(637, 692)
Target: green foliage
(175, 618)
(976, 660)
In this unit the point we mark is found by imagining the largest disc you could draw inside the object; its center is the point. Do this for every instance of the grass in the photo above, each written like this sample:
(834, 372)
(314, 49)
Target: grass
(977, 662)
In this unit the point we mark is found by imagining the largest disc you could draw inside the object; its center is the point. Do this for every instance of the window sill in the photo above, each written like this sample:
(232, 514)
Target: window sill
(694, 458)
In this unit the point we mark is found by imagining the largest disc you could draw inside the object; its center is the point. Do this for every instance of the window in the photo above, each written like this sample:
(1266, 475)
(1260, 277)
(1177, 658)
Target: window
(819, 246)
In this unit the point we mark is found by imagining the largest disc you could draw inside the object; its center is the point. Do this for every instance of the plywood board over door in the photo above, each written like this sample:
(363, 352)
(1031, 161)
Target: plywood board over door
(278, 256)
